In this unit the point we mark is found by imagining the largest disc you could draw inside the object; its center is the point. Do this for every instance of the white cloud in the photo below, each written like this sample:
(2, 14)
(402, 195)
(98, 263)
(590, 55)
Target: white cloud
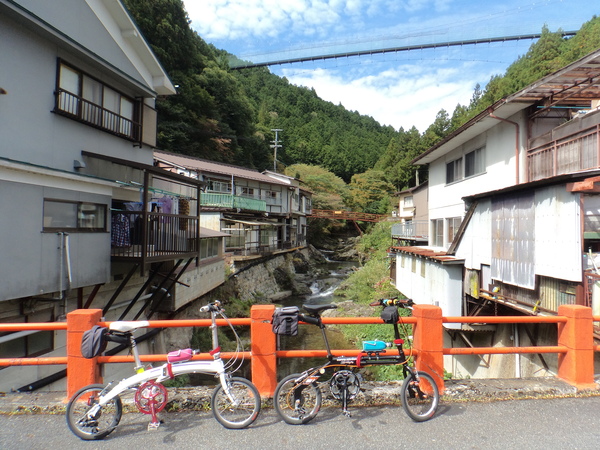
(405, 96)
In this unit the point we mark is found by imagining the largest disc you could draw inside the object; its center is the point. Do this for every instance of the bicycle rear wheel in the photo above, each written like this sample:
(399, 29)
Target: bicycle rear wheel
(244, 408)
(98, 425)
(420, 396)
(296, 403)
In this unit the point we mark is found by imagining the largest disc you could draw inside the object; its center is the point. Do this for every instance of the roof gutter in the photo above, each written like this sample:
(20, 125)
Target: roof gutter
(517, 139)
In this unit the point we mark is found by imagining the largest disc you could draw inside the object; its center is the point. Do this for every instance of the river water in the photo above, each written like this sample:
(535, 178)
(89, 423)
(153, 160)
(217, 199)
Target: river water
(323, 287)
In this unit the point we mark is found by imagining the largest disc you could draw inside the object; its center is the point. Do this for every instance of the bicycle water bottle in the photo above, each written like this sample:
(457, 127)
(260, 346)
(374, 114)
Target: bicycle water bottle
(375, 345)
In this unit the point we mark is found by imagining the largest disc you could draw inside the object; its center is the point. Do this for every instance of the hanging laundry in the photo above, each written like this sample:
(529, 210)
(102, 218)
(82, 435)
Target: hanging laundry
(184, 210)
(120, 231)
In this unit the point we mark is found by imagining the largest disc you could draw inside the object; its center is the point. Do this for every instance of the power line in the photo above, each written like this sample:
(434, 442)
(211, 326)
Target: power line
(237, 65)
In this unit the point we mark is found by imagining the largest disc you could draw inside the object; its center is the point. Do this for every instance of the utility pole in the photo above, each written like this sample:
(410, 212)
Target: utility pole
(275, 146)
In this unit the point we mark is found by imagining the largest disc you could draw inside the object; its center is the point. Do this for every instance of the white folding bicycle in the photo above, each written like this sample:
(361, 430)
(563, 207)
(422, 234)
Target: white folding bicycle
(95, 410)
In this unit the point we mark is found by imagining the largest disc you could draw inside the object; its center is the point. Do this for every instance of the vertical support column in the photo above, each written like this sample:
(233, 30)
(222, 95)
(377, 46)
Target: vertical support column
(80, 371)
(428, 341)
(264, 346)
(576, 367)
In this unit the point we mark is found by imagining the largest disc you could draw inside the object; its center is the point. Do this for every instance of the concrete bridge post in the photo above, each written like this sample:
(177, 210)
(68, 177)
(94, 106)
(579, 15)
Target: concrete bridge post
(428, 342)
(80, 371)
(576, 366)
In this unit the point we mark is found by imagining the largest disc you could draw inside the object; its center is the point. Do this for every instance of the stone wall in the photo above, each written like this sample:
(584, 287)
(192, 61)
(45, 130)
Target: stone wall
(271, 279)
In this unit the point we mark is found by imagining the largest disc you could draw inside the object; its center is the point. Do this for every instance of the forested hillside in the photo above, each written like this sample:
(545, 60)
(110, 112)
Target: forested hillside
(227, 116)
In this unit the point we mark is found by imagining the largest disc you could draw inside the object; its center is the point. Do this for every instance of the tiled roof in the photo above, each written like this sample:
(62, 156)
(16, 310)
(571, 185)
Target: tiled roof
(207, 167)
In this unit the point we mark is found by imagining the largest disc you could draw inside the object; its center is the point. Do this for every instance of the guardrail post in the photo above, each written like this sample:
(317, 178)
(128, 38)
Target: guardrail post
(264, 346)
(80, 371)
(576, 367)
(428, 341)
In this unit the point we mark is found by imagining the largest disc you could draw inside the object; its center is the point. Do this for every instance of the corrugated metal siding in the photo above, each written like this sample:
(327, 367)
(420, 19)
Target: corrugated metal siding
(513, 240)
(558, 234)
(554, 293)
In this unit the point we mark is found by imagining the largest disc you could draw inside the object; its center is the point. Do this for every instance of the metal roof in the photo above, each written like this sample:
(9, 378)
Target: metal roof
(429, 253)
(210, 167)
(575, 85)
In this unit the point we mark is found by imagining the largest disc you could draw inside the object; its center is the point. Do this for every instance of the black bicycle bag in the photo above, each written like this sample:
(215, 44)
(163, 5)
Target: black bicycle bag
(93, 342)
(285, 321)
(390, 314)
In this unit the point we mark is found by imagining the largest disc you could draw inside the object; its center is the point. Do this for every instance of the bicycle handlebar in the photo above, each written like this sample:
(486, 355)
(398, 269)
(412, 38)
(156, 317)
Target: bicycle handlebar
(214, 306)
(394, 301)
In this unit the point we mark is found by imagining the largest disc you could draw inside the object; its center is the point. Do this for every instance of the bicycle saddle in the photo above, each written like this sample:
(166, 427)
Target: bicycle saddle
(125, 326)
(316, 309)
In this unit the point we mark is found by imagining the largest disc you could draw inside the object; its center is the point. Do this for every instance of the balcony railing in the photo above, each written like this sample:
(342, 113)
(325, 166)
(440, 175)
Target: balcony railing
(416, 230)
(229, 201)
(162, 237)
(83, 110)
(572, 153)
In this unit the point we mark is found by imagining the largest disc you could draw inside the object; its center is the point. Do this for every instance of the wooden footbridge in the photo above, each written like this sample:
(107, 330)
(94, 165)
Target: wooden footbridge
(346, 215)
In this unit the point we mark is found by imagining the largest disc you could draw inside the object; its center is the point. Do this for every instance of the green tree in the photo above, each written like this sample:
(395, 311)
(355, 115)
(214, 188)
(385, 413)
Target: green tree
(370, 192)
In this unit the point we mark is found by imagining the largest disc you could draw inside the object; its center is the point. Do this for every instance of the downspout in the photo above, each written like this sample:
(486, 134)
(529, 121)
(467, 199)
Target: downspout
(517, 138)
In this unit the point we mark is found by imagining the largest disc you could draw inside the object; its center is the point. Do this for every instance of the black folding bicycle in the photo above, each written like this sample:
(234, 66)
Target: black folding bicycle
(298, 397)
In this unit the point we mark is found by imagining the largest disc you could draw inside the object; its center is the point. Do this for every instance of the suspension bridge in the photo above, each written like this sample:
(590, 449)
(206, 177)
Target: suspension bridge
(237, 64)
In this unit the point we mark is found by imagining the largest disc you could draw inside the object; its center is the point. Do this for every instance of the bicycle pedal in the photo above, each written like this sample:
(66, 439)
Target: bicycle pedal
(153, 426)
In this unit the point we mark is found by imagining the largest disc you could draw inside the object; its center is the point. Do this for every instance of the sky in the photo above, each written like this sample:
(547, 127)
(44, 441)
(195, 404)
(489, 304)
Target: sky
(400, 89)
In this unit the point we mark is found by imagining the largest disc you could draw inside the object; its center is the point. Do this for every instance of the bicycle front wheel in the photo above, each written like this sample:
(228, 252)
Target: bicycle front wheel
(420, 396)
(83, 419)
(297, 403)
(241, 409)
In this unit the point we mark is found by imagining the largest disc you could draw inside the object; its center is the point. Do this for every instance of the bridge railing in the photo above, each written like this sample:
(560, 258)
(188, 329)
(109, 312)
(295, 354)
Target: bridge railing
(575, 346)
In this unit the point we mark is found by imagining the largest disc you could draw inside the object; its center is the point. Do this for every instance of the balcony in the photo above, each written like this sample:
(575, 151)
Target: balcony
(82, 110)
(153, 237)
(415, 230)
(229, 201)
(571, 149)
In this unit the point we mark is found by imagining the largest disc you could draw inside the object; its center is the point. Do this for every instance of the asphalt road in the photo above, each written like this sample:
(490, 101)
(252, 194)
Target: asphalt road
(567, 423)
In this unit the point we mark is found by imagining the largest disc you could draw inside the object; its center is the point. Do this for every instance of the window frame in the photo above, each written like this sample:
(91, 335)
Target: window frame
(94, 111)
(478, 162)
(79, 212)
(454, 170)
(437, 234)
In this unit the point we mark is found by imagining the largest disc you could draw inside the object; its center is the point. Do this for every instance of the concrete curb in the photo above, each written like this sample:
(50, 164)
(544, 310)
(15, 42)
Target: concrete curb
(372, 394)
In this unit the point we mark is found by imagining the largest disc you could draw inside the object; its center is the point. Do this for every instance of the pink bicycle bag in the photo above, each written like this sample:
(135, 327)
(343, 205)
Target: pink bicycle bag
(180, 355)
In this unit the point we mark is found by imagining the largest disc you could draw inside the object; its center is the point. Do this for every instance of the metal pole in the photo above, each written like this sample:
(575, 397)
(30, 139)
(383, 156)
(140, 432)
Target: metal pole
(275, 146)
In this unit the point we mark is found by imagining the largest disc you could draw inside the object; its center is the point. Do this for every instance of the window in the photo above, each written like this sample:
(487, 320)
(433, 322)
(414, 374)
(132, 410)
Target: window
(437, 232)
(74, 216)
(454, 171)
(408, 201)
(474, 163)
(219, 186)
(84, 98)
(209, 248)
(248, 191)
(453, 224)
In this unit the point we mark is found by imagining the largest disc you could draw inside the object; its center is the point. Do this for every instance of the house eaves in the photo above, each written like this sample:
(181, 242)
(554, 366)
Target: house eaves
(470, 130)
(575, 85)
(31, 15)
(206, 167)
(559, 179)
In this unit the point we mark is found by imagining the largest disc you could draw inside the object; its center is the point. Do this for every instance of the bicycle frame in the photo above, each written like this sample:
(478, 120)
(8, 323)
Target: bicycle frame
(167, 370)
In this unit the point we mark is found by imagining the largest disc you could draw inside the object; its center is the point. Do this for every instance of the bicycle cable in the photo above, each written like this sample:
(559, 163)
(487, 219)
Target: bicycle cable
(236, 361)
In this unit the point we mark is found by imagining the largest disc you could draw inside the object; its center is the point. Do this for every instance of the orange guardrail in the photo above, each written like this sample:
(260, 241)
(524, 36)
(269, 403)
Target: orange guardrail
(575, 346)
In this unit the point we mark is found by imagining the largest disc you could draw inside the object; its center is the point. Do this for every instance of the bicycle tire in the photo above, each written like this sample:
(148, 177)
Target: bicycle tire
(99, 426)
(420, 396)
(232, 415)
(297, 404)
